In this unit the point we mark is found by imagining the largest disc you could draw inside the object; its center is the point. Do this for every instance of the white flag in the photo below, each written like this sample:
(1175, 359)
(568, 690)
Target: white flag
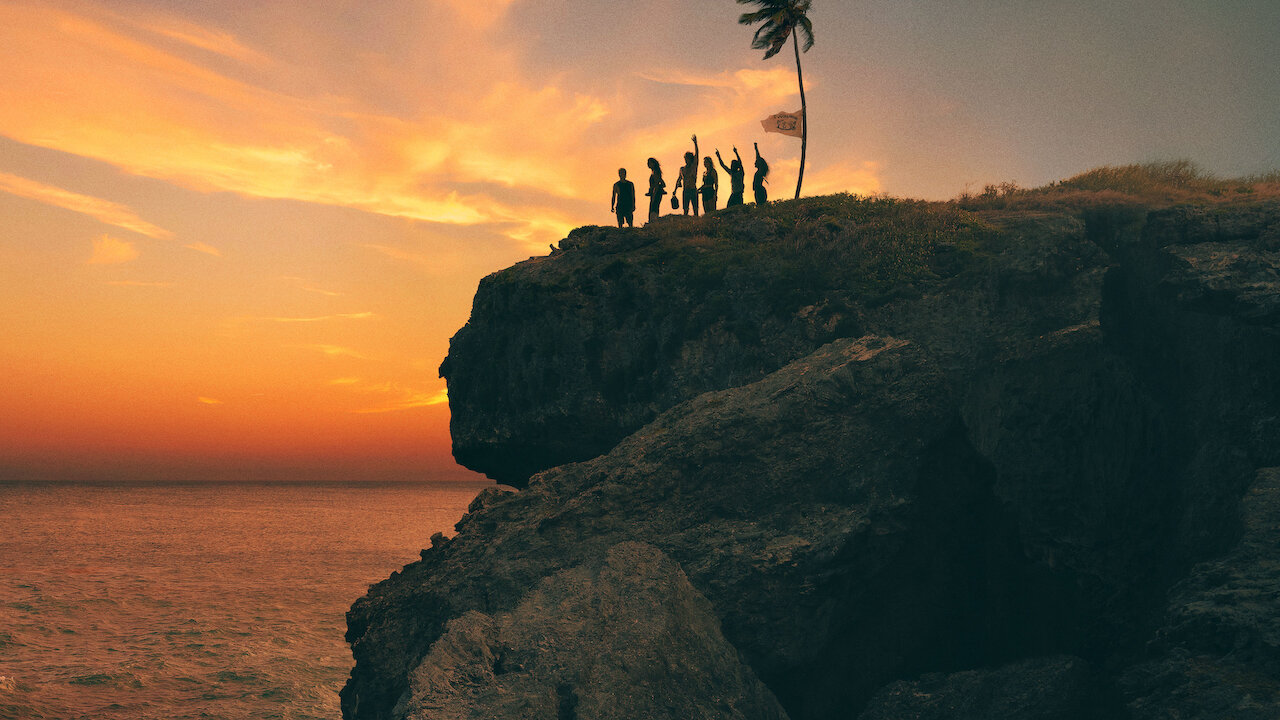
(787, 123)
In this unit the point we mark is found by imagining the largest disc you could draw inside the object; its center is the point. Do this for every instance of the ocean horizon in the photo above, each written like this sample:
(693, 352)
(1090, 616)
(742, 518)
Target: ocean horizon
(197, 599)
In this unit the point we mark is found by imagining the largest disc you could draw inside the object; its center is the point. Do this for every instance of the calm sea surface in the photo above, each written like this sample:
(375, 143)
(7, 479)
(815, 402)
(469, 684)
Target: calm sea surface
(195, 601)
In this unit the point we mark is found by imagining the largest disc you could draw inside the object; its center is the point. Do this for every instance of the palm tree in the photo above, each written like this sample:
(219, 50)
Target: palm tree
(781, 19)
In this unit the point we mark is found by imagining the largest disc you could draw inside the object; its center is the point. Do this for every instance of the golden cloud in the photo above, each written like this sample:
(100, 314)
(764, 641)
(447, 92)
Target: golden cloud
(484, 142)
(111, 251)
(84, 86)
(103, 211)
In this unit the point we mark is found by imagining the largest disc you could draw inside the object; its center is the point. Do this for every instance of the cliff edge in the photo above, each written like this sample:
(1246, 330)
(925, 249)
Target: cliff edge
(904, 459)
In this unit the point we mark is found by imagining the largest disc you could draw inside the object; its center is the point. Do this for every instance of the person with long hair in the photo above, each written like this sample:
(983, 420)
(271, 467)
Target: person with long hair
(689, 179)
(762, 173)
(710, 186)
(737, 177)
(657, 188)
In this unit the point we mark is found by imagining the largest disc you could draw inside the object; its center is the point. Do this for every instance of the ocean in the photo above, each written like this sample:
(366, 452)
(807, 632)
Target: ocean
(196, 601)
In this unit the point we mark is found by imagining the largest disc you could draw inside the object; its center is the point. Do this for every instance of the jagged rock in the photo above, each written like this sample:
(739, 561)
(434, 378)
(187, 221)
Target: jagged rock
(620, 637)
(832, 513)
(1054, 688)
(1220, 646)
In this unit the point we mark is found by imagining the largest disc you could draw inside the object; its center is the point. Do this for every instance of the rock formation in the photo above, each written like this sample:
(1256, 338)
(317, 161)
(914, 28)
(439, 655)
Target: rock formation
(913, 461)
(623, 637)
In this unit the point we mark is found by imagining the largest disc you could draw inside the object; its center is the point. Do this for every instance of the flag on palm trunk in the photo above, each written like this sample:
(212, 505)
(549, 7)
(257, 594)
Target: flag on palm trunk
(787, 123)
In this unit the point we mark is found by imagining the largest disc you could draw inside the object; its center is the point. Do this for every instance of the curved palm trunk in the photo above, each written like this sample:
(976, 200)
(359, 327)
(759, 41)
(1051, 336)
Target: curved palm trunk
(804, 113)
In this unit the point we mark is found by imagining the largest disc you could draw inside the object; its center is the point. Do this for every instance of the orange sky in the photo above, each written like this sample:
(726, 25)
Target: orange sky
(239, 234)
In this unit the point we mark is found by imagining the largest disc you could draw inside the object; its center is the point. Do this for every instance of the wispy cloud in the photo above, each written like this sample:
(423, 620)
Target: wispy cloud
(103, 211)
(302, 284)
(128, 99)
(201, 247)
(208, 401)
(774, 83)
(219, 43)
(412, 257)
(337, 351)
(390, 396)
(108, 250)
(409, 400)
(317, 318)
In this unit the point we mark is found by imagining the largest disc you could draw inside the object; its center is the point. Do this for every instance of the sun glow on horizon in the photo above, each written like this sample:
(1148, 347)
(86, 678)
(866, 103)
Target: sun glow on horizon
(248, 230)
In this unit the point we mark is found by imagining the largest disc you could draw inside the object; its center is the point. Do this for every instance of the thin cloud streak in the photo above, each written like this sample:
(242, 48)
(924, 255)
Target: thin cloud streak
(316, 319)
(409, 401)
(206, 249)
(302, 284)
(103, 211)
(337, 351)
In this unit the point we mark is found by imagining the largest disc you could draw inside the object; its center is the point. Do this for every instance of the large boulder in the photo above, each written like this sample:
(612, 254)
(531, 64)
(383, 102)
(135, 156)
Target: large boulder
(619, 637)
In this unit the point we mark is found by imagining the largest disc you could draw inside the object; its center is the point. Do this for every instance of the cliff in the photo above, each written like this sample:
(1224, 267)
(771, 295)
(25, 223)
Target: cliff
(948, 460)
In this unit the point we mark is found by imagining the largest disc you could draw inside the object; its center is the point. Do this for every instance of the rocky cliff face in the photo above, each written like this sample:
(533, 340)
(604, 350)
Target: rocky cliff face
(899, 452)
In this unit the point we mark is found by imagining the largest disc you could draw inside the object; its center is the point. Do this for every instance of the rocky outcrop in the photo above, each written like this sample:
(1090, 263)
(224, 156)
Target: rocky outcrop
(1218, 653)
(1046, 421)
(565, 355)
(832, 513)
(619, 637)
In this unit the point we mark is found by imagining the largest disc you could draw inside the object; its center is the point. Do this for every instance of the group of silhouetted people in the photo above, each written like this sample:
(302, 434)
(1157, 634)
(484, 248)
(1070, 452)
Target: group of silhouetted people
(623, 202)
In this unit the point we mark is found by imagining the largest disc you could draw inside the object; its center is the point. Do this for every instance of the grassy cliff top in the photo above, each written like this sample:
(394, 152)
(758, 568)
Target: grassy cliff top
(1157, 184)
(871, 248)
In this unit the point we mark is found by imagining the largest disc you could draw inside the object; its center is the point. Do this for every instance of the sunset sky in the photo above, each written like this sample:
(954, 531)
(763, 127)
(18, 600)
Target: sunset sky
(238, 235)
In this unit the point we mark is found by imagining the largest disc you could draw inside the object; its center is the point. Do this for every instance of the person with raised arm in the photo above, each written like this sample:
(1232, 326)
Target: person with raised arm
(689, 179)
(762, 173)
(737, 177)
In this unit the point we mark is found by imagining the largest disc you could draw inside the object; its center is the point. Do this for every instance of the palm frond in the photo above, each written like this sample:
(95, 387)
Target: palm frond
(806, 27)
(769, 35)
(778, 19)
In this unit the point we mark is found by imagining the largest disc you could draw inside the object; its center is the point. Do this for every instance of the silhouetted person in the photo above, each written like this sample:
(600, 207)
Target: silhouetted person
(623, 201)
(762, 172)
(657, 188)
(737, 177)
(710, 186)
(689, 179)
